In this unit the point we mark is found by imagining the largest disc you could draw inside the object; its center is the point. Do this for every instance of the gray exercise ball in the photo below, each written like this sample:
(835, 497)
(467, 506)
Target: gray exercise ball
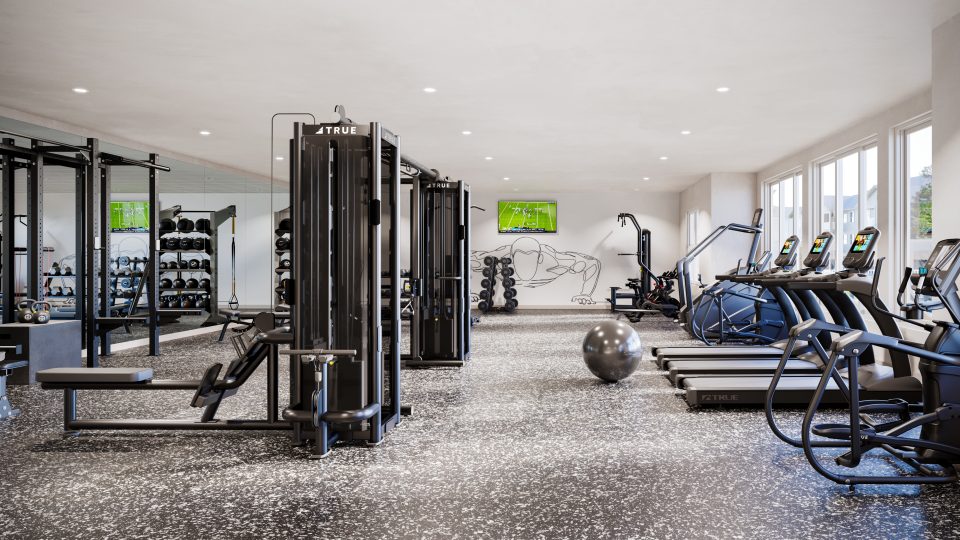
(612, 350)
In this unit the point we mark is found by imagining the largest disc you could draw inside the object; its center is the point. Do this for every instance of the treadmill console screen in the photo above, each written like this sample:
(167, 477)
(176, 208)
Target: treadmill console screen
(860, 254)
(787, 247)
(819, 244)
(861, 243)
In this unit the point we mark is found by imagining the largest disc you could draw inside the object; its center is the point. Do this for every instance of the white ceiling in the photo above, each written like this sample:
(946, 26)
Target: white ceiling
(564, 94)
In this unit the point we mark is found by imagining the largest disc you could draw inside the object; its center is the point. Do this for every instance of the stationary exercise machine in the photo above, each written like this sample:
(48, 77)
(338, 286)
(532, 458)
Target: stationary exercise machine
(650, 293)
(933, 454)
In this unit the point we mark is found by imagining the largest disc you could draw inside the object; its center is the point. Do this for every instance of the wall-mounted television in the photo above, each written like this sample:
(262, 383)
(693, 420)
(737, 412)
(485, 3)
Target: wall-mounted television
(527, 216)
(130, 216)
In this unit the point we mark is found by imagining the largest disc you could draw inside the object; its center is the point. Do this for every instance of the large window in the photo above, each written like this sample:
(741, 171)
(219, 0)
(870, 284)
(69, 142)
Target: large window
(848, 196)
(917, 157)
(784, 203)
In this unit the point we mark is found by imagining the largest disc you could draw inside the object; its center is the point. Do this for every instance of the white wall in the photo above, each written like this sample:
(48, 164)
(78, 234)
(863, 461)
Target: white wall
(719, 199)
(946, 128)
(587, 230)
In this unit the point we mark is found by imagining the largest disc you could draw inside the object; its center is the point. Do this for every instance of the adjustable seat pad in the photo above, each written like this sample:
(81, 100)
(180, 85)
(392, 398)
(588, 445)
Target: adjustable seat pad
(95, 375)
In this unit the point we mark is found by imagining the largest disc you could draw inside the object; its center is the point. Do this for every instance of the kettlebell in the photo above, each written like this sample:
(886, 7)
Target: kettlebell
(41, 312)
(186, 302)
(25, 310)
(203, 301)
(164, 302)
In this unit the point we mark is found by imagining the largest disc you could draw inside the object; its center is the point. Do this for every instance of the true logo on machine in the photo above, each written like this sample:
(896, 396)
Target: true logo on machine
(337, 130)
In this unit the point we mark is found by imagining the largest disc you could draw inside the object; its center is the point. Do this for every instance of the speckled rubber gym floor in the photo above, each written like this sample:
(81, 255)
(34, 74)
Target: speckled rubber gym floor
(521, 443)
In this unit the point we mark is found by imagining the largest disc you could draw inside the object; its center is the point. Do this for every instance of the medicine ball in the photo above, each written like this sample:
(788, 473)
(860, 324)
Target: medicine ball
(612, 350)
(284, 225)
(193, 284)
(286, 263)
(194, 264)
(283, 243)
(204, 283)
(165, 283)
(167, 225)
(203, 225)
(185, 225)
(206, 264)
(179, 283)
(183, 265)
(199, 243)
(186, 243)
(163, 266)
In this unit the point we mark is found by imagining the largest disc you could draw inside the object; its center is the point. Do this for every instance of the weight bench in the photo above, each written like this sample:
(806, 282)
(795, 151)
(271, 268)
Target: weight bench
(209, 392)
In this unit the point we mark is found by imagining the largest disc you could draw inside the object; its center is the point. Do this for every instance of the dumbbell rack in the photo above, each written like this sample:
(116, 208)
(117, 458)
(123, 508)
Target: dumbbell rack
(175, 296)
(281, 254)
(58, 302)
(495, 266)
(126, 268)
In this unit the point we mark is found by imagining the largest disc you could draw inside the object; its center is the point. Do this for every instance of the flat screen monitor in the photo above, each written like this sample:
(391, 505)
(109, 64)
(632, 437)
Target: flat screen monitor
(861, 243)
(818, 244)
(130, 216)
(527, 216)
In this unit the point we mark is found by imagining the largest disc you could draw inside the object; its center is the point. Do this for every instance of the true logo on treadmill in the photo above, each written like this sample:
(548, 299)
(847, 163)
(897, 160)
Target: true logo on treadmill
(337, 130)
(720, 397)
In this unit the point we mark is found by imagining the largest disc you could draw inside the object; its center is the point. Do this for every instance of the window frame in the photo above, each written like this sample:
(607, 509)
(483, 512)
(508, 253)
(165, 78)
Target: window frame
(859, 148)
(901, 190)
(796, 174)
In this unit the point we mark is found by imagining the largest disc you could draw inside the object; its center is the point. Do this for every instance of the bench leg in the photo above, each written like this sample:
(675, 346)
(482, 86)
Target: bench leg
(69, 411)
(223, 331)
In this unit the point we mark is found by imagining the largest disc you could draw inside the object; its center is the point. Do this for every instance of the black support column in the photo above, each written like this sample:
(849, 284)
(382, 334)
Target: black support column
(34, 264)
(152, 271)
(8, 270)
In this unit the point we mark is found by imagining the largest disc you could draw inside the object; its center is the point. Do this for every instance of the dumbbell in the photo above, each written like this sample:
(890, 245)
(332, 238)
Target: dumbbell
(204, 283)
(506, 260)
(199, 243)
(56, 291)
(511, 304)
(185, 225)
(510, 293)
(193, 284)
(506, 271)
(489, 260)
(55, 269)
(67, 291)
(483, 305)
(66, 270)
(485, 294)
(126, 282)
(123, 260)
(509, 282)
(194, 264)
(487, 271)
(486, 283)
(283, 243)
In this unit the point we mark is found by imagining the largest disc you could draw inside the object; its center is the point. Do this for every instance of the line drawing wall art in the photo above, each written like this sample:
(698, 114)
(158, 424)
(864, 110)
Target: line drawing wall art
(537, 264)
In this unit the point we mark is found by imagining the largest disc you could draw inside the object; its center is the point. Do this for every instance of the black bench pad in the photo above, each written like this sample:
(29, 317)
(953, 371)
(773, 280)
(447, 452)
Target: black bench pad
(94, 375)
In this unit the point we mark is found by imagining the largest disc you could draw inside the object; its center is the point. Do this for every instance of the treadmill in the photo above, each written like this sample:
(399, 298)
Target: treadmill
(804, 360)
(875, 381)
(803, 302)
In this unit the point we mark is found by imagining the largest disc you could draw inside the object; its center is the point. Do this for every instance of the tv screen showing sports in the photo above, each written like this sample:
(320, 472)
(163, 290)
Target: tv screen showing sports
(861, 242)
(527, 216)
(130, 216)
(818, 245)
(787, 246)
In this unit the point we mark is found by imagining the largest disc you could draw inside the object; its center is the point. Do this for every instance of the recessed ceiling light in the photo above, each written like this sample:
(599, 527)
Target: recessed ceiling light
(723, 89)
(79, 90)
(204, 132)
(664, 158)
(686, 132)
(506, 178)
(645, 178)
(429, 90)
(636, 189)
(515, 189)
(488, 158)
(466, 132)
(279, 158)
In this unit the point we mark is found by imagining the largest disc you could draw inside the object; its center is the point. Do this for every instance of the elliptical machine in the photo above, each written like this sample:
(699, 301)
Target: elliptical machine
(933, 454)
(651, 293)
